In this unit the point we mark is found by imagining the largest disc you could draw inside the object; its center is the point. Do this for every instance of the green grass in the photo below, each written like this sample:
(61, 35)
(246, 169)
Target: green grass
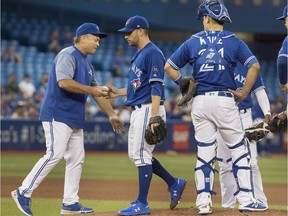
(118, 166)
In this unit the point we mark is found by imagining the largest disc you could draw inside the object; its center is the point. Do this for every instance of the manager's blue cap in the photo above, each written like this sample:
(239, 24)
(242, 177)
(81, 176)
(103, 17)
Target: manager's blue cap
(133, 23)
(89, 28)
(284, 14)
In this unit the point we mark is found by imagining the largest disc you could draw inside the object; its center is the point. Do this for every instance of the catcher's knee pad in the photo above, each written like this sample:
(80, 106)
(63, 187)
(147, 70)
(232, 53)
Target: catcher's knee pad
(241, 166)
(204, 171)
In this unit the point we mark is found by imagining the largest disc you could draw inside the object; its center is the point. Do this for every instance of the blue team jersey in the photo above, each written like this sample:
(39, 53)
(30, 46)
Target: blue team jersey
(282, 62)
(61, 105)
(213, 56)
(240, 78)
(146, 66)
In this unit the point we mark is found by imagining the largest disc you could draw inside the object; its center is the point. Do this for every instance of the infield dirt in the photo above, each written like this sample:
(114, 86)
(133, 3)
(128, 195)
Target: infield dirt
(127, 190)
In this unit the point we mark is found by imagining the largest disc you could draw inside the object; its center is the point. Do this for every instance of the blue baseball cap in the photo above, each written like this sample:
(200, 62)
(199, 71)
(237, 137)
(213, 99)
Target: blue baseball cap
(284, 14)
(133, 23)
(89, 28)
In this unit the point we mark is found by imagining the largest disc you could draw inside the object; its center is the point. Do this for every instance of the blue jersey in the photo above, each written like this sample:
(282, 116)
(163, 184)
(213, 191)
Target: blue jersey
(282, 62)
(146, 66)
(213, 56)
(61, 105)
(240, 78)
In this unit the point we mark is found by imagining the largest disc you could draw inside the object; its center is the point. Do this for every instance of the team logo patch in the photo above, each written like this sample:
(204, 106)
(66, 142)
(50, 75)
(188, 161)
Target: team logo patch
(155, 69)
(136, 84)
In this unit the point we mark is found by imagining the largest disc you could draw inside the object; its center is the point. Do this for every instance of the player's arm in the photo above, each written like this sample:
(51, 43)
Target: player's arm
(72, 86)
(251, 77)
(282, 67)
(264, 104)
(156, 92)
(65, 71)
(106, 107)
(115, 92)
(174, 74)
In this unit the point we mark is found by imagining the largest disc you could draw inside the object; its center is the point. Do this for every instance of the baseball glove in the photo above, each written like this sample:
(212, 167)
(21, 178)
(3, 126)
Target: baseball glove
(188, 88)
(257, 132)
(278, 123)
(159, 131)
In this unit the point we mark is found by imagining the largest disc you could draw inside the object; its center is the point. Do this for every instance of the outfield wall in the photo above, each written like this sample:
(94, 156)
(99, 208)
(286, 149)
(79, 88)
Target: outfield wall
(29, 135)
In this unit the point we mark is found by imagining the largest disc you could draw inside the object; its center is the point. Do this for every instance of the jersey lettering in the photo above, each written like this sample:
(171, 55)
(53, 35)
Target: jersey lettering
(206, 68)
(240, 78)
(201, 51)
(211, 39)
(211, 61)
(137, 71)
(221, 52)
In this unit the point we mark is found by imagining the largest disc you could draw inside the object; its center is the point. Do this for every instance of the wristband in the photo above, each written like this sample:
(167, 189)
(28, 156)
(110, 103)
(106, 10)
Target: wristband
(177, 81)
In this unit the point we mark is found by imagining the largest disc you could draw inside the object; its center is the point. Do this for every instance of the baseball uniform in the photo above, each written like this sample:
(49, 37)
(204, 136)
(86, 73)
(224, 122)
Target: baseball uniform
(63, 114)
(145, 94)
(227, 181)
(213, 54)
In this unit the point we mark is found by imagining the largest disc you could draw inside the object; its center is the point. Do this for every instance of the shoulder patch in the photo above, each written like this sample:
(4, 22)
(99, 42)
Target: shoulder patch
(155, 69)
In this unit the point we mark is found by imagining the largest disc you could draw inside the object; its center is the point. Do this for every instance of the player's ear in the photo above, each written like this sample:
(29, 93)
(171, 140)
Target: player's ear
(141, 31)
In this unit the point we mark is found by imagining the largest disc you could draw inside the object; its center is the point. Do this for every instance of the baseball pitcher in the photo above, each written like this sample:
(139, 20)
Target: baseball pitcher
(145, 96)
(227, 181)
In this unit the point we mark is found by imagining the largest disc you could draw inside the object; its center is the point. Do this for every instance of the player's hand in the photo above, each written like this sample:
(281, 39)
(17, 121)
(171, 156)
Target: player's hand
(100, 91)
(238, 95)
(267, 118)
(113, 93)
(117, 124)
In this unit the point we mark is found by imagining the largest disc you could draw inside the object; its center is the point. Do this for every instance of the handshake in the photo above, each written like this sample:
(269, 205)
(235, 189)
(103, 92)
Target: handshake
(106, 91)
(260, 130)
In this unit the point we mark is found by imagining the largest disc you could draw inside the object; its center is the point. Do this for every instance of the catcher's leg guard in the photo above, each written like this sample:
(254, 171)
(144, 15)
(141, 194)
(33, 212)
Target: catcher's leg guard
(242, 172)
(204, 172)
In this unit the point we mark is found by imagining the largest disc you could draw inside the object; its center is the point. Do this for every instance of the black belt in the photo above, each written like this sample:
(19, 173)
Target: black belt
(140, 106)
(214, 93)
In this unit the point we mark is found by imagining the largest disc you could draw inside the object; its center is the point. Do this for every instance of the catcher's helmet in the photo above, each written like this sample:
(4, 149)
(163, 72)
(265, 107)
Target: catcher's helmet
(215, 9)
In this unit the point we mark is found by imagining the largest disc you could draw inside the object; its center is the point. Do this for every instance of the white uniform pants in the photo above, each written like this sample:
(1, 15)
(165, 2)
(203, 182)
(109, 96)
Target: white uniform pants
(212, 113)
(140, 153)
(61, 141)
(227, 181)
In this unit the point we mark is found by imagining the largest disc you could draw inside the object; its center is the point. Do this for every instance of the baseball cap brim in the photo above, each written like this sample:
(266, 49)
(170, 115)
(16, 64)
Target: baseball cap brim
(102, 35)
(126, 30)
(281, 18)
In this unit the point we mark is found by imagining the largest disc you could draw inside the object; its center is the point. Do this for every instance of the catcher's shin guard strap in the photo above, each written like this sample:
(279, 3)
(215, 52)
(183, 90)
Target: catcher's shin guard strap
(237, 145)
(207, 168)
(235, 169)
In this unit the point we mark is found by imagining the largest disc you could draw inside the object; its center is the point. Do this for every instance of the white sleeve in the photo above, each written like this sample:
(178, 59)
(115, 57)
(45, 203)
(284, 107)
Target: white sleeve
(263, 101)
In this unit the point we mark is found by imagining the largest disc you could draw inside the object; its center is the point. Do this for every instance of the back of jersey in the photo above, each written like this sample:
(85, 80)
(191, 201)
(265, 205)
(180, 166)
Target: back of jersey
(212, 69)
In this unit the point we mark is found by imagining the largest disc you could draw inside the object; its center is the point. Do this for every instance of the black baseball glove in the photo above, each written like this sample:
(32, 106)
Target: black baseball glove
(278, 123)
(187, 88)
(159, 130)
(257, 132)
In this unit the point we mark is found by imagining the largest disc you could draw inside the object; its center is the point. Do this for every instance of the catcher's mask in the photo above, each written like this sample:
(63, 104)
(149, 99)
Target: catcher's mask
(215, 9)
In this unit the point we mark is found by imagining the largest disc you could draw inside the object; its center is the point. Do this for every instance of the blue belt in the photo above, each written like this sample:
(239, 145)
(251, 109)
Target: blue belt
(140, 105)
(216, 93)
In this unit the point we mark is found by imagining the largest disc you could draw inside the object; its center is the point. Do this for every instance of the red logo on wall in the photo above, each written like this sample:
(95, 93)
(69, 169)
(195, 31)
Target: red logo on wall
(180, 137)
